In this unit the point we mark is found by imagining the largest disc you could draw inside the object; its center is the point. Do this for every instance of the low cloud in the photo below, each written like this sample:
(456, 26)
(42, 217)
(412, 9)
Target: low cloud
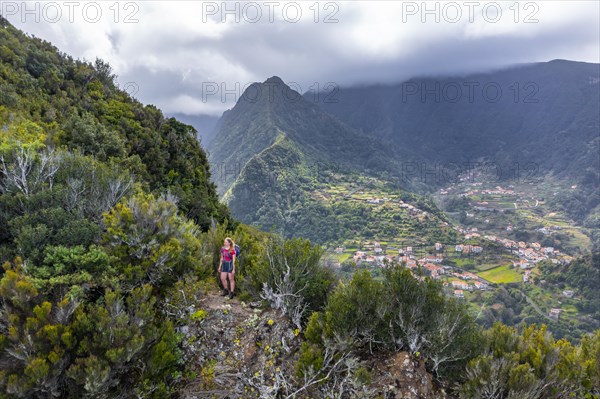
(172, 49)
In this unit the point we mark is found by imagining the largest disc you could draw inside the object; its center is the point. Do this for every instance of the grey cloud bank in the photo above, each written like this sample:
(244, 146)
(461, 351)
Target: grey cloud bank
(172, 49)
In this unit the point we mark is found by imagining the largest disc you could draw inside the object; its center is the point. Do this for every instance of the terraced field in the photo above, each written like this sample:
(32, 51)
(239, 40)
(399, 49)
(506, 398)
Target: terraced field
(502, 275)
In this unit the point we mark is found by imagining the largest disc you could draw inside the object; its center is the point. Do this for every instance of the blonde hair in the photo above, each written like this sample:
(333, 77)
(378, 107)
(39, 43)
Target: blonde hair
(231, 245)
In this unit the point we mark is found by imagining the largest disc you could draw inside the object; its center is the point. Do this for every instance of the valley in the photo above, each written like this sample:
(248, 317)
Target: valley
(493, 237)
(489, 233)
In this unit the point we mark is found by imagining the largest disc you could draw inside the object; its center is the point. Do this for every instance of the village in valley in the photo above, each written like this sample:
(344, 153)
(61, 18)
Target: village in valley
(459, 280)
(484, 251)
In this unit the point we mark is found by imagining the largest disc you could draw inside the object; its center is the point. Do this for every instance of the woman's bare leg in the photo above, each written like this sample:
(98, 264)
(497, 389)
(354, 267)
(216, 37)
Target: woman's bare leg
(231, 281)
(224, 280)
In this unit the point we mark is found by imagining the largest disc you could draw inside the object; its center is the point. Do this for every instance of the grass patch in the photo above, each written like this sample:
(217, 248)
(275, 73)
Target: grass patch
(343, 257)
(502, 275)
(486, 267)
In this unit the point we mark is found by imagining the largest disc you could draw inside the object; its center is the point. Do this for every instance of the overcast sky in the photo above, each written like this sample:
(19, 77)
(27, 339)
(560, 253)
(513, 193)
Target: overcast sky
(182, 56)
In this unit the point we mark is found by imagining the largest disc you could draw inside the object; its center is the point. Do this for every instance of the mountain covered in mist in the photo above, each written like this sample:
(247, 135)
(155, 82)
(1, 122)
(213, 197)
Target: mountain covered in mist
(527, 122)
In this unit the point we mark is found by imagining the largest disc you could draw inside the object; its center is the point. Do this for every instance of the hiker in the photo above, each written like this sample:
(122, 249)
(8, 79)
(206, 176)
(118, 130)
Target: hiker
(227, 267)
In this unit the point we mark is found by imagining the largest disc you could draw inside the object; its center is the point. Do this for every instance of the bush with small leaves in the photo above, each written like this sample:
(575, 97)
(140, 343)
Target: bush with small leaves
(152, 242)
(400, 313)
(531, 364)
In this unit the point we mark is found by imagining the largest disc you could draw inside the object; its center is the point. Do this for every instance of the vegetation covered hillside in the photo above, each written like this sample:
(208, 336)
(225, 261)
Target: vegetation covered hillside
(278, 159)
(64, 103)
(103, 203)
(270, 111)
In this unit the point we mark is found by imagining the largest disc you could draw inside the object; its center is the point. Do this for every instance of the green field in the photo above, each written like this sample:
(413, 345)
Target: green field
(503, 274)
(344, 257)
(486, 267)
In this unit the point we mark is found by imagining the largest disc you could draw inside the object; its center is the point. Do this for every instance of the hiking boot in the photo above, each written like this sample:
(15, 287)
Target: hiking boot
(225, 293)
(231, 295)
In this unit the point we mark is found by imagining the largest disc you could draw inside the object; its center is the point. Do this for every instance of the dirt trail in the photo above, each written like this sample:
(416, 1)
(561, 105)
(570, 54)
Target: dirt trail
(213, 301)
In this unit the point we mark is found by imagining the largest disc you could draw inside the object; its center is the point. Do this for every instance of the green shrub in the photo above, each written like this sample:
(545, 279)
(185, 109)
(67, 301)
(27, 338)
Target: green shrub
(296, 261)
(398, 313)
(199, 315)
(151, 242)
(531, 364)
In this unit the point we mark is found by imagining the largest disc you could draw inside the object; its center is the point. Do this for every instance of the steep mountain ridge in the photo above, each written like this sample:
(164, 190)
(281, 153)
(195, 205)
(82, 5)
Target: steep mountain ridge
(271, 108)
(274, 152)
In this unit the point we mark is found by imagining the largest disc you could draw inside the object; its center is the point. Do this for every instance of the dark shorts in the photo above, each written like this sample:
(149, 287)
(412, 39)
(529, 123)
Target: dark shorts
(227, 267)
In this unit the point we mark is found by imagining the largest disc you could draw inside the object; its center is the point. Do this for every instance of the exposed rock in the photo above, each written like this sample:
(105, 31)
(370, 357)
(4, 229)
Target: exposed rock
(241, 351)
(402, 377)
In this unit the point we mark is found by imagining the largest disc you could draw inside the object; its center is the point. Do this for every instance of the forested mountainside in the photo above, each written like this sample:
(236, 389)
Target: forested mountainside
(277, 156)
(66, 103)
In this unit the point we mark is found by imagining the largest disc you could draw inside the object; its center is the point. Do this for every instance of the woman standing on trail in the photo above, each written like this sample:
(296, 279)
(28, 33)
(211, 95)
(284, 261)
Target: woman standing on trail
(227, 267)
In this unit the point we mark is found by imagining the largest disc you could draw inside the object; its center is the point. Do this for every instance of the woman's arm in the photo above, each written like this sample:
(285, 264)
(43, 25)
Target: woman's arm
(233, 263)
(220, 263)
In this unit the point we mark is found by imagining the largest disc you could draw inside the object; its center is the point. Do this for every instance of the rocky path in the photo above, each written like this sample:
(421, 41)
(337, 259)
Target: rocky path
(238, 349)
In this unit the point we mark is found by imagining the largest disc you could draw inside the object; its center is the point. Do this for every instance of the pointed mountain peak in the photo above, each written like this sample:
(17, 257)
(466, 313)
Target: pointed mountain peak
(275, 79)
(273, 91)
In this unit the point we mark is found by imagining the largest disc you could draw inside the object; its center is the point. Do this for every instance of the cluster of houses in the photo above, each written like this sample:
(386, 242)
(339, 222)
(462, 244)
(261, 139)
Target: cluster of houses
(467, 249)
(530, 253)
(457, 279)
(460, 281)
(411, 209)
(376, 259)
(497, 191)
(473, 283)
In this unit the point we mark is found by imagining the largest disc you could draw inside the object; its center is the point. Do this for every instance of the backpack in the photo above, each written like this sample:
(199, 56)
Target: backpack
(237, 251)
